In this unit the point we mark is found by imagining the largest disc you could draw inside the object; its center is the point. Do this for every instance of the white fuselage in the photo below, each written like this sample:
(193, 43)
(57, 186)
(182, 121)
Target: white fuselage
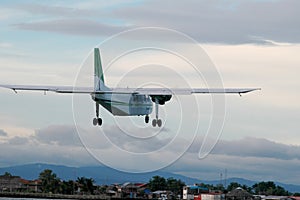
(125, 104)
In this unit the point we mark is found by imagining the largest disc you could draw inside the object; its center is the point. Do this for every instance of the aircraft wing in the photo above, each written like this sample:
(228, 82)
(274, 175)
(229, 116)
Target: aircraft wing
(58, 89)
(146, 91)
(184, 91)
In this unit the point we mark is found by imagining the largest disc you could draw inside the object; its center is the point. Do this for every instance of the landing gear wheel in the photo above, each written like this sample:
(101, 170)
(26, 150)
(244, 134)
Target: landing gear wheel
(154, 122)
(99, 121)
(159, 123)
(147, 119)
(95, 121)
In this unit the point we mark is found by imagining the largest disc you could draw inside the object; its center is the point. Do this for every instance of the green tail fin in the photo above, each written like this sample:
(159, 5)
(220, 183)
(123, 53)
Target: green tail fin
(98, 71)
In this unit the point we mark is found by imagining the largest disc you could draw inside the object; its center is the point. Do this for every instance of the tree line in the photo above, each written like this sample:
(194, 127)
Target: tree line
(261, 188)
(51, 183)
(160, 183)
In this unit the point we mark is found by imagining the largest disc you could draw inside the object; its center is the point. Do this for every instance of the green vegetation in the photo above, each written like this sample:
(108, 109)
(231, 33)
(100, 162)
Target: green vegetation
(171, 184)
(157, 183)
(269, 188)
(7, 174)
(234, 185)
(49, 182)
(261, 188)
(68, 187)
(86, 184)
(175, 186)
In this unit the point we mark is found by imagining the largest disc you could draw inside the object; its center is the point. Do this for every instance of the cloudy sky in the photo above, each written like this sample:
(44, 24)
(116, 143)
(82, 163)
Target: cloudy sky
(250, 43)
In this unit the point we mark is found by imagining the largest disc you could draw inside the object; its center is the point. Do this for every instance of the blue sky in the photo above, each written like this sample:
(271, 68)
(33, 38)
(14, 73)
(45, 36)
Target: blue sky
(252, 44)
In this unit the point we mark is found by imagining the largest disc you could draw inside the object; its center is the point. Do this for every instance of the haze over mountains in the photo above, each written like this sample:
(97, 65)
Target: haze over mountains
(106, 175)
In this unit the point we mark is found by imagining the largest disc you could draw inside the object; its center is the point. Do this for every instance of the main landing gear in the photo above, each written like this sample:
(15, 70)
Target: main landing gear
(156, 121)
(97, 120)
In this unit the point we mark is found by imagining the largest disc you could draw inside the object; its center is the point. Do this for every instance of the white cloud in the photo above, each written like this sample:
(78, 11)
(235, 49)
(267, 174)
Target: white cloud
(212, 21)
(72, 26)
(218, 23)
(7, 14)
(252, 158)
(20, 153)
(257, 147)
(77, 9)
(2, 133)
(52, 10)
(5, 45)
(13, 127)
(18, 140)
(252, 168)
(62, 135)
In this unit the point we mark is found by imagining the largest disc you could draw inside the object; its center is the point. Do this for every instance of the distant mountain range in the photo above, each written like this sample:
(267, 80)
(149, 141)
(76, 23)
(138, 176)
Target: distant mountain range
(106, 175)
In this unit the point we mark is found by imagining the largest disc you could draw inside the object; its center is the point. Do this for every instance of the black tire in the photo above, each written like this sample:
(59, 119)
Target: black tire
(147, 119)
(99, 121)
(154, 122)
(159, 123)
(95, 121)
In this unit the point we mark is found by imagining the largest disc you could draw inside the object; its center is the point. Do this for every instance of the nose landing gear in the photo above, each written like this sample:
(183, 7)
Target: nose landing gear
(147, 119)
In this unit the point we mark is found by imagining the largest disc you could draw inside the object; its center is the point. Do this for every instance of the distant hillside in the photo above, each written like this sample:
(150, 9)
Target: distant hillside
(101, 174)
(106, 175)
(237, 180)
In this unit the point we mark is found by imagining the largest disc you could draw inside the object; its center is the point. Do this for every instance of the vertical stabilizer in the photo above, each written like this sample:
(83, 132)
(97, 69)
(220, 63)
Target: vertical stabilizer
(98, 71)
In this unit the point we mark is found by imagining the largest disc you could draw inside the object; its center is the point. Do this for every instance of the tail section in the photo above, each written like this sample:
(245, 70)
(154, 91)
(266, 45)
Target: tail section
(98, 71)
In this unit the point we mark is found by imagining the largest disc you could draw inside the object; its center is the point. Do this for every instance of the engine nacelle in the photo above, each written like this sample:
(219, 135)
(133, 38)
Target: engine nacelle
(162, 99)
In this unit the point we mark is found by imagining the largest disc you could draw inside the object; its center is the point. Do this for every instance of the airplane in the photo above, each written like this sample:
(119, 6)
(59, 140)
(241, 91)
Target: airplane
(126, 101)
